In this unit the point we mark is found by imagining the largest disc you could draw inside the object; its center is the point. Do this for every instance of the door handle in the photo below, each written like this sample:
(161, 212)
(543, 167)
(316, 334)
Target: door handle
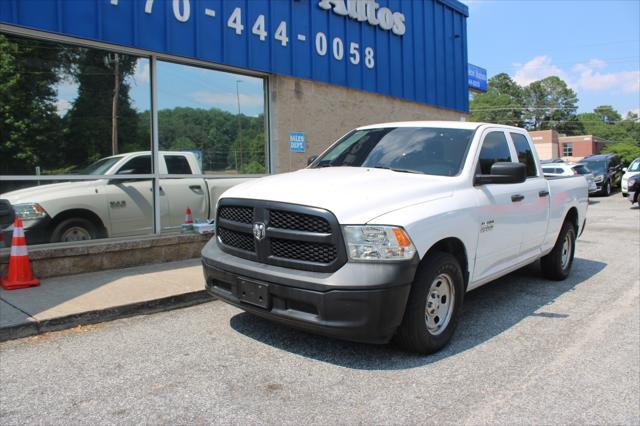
(517, 197)
(196, 188)
(543, 193)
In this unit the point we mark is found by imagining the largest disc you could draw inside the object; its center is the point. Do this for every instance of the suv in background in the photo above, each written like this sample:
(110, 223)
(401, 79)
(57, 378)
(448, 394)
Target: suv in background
(632, 170)
(606, 171)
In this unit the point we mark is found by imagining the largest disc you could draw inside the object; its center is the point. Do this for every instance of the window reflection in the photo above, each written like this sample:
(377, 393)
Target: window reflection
(65, 107)
(216, 115)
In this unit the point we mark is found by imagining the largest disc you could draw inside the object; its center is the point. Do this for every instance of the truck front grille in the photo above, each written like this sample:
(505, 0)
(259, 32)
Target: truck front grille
(300, 250)
(299, 222)
(295, 236)
(239, 240)
(237, 214)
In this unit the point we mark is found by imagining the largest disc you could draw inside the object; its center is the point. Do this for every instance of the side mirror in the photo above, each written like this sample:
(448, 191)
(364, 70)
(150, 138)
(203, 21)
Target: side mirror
(503, 172)
(624, 169)
(311, 159)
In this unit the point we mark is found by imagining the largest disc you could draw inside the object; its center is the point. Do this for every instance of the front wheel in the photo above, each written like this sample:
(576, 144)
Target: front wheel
(557, 264)
(607, 188)
(434, 305)
(74, 229)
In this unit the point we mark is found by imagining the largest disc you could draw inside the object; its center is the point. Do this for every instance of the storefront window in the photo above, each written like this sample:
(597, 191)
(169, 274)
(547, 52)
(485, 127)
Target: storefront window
(218, 116)
(76, 141)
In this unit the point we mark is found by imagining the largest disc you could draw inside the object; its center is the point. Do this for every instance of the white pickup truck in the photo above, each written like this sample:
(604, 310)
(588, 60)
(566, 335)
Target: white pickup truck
(100, 208)
(382, 234)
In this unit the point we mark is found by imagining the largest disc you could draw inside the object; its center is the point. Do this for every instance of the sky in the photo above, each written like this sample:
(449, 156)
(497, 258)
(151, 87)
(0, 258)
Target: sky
(184, 86)
(594, 45)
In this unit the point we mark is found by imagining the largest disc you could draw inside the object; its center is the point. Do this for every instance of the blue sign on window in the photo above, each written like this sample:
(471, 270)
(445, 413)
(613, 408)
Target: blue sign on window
(477, 78)
(296, 141)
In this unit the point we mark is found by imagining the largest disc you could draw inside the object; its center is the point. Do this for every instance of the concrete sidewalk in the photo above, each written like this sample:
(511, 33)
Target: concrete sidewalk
(64, 302)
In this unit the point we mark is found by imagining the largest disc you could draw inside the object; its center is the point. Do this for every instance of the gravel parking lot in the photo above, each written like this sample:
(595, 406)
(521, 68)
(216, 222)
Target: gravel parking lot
(526, 351)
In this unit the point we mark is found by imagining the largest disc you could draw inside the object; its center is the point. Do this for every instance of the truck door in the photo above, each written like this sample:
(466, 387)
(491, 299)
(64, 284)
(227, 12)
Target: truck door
(181, 193)
(500, 226)
(130, 202)
(534, 207)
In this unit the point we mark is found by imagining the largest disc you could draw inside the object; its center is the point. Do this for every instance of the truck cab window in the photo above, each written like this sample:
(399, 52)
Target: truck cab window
(136, 166)
(177, 165)
(525, 155)
(494, 149)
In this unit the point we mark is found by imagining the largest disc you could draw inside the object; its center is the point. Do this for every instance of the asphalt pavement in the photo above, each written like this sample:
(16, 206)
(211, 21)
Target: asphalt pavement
(526, 351)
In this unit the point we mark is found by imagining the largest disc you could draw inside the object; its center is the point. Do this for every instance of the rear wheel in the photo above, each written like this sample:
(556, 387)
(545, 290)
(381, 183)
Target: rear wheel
(557, 264)
(74, 229)
(434, 305)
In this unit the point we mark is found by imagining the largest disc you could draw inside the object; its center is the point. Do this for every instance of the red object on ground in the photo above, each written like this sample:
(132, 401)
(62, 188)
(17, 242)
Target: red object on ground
(188, 219)
(19, 274)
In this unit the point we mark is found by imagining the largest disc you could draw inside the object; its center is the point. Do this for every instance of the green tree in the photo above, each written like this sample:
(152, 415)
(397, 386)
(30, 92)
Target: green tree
(502, 103)
(626, 151)
(607, 114)
(30, 128)
(605, 122)
(89, 121)
(552, 105)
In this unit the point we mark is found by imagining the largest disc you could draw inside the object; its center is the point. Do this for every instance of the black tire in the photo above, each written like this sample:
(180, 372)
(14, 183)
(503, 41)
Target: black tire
(552, 264)
(606, 189)
(83, 229)
(413, 334)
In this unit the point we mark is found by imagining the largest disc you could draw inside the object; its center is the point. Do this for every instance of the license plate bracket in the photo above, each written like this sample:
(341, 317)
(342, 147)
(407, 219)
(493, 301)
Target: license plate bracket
(253, 292)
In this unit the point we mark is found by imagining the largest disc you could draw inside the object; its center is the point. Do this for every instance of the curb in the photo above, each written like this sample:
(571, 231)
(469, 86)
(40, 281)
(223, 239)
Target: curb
(103, 315)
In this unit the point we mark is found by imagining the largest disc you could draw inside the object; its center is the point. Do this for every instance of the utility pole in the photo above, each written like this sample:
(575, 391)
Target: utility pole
(114, 106)
(239, 124)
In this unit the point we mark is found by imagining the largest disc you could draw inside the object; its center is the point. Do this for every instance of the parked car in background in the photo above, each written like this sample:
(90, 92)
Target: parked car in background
(606, 169)
(632, 170)
(634, 188)
(565, 169)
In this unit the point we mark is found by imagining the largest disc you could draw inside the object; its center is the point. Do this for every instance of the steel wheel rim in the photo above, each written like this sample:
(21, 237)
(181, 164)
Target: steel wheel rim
(566, 251)
(439, 304)
(75, 233)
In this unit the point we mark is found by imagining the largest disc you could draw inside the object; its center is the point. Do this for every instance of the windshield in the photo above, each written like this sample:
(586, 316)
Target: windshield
(597, 167)
(634, 167)
(99, 167)
(432, 151)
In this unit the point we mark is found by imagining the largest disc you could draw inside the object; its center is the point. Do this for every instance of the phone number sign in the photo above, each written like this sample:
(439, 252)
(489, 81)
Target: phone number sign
(404, 48)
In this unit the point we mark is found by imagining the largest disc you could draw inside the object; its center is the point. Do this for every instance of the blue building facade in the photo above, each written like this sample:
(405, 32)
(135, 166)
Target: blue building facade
(409, 49)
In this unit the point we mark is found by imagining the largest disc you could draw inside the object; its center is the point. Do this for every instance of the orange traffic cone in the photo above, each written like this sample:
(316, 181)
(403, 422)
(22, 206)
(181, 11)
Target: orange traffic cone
(19, 274)
(188, 218)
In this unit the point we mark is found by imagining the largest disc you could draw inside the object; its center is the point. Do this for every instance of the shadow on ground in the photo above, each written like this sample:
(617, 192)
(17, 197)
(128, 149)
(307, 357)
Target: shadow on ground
(487, 312)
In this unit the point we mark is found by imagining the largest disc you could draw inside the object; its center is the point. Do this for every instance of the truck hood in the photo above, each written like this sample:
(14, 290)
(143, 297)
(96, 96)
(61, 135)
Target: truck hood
(43, 193)
(355, 195)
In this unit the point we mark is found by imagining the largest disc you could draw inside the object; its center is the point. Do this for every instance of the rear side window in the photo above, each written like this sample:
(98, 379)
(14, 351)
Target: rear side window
(549, 170)
(581, 169)
(177, 165)
(137, 166)
(525, 156)
(494, 149)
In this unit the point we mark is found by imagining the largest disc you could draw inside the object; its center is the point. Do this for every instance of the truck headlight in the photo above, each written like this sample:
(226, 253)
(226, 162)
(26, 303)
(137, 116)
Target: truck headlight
(378, 243)
(29, 211)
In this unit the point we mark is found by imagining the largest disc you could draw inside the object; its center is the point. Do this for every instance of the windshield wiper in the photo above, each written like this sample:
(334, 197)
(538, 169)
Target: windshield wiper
(398, 170)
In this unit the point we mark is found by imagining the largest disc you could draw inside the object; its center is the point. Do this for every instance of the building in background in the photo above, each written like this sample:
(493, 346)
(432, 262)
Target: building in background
(546, 143)
(550, 145)
(574, 148)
